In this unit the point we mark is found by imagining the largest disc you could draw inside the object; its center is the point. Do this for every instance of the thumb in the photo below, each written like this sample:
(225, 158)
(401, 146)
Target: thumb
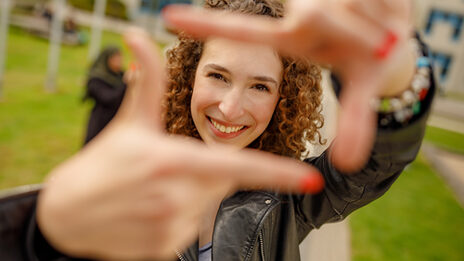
(356, 126)
(144, 102)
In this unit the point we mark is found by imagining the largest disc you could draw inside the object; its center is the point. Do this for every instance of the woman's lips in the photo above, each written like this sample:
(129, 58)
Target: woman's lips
(225, 135)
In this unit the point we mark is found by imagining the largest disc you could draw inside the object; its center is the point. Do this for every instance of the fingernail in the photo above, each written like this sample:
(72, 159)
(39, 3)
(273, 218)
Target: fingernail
(133, 66)
(384, 50)
(312, 183)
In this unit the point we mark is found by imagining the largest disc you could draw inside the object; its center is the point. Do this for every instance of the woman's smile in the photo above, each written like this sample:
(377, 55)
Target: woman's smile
(225, 130)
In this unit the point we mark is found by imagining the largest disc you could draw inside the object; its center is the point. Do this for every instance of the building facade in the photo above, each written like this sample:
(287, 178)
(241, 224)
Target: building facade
(441, 25)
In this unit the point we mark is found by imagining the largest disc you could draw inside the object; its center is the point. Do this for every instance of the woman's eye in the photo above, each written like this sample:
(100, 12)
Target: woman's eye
(261, 87)
(217, 76)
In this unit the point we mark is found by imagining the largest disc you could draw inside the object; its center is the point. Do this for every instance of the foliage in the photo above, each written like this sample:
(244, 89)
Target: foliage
(114, 8)
(445, 139)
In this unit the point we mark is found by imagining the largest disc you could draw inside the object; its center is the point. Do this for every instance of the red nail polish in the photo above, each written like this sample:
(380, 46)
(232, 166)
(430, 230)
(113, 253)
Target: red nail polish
(132, 66)
(313, 183)
(384, 50)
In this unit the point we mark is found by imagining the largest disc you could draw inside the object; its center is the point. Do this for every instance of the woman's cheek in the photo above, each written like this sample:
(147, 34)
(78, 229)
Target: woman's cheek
(263, 113)
(205, 97)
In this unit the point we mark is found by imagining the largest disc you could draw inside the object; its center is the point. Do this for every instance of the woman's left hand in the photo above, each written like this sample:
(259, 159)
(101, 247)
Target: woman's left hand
(364, 41)
(137, 193)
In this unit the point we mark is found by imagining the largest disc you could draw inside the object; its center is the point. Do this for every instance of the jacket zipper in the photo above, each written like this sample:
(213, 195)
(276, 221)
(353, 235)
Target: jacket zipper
(180, 256)
(261, 244)
(260, 238)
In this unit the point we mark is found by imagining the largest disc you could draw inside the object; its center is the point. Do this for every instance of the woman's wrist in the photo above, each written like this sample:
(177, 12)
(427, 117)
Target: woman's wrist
(400, 108)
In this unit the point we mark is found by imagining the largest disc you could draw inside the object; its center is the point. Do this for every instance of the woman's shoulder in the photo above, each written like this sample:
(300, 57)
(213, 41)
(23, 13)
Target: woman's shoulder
(96, 81)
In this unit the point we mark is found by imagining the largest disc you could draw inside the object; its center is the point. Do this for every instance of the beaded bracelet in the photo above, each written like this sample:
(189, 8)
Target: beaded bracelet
(400, 109)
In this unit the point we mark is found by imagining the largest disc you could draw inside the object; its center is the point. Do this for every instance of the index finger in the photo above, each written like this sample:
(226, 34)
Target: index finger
(250, 169)
(148, 90)
(356, 125)
(198, 23)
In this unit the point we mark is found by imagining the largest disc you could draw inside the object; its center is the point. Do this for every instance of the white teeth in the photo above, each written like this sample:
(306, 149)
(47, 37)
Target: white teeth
(225, 129)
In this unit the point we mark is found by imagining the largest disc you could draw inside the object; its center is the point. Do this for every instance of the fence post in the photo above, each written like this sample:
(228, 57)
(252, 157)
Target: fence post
(97, 21)
(56, 36)
(5, 6)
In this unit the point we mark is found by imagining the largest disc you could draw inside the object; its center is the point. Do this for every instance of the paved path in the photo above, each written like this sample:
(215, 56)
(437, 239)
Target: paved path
(332, 242)
(450, 166)
(448, 114)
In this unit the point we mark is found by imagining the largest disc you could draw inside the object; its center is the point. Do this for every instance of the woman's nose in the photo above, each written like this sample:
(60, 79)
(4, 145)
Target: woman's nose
(231, 105)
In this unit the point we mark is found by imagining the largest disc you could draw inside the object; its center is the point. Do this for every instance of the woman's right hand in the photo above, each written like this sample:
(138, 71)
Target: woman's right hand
(136, 193)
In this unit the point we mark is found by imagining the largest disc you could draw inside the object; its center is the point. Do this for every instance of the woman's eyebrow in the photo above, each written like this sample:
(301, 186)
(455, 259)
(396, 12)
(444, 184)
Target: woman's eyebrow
(265, 79)
(260, 78)
(217, 67)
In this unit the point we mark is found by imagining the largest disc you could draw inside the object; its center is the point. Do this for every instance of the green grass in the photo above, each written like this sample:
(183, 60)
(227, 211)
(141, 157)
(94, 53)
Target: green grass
(418, 218)
(448, 140)
(113, 8)
(38, 129)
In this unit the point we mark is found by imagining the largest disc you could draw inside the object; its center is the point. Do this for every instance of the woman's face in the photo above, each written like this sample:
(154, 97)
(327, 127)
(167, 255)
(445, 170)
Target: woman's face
(115, 62)
(235, 92)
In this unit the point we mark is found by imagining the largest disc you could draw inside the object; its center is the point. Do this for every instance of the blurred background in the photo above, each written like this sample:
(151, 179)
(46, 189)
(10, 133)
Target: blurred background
(48, 47)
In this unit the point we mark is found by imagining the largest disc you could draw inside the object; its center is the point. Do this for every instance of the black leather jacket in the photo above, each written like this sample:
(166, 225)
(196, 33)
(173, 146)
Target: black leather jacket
(253, 225)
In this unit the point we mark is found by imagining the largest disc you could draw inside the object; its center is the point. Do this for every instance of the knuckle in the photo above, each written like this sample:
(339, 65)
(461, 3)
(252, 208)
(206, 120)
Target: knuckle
(162, 209)
(314, 11)
(351, 4)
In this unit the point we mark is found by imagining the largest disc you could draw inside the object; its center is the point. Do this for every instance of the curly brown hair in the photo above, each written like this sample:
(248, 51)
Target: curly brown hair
(297, 117)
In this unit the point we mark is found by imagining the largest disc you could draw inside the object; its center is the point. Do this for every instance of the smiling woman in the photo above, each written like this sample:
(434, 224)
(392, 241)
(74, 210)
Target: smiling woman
(137, 192)
(273, 101)
(227, 94)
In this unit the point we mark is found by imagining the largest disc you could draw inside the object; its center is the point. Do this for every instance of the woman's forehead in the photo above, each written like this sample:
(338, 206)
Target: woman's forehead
(229, 53)
(227, 45)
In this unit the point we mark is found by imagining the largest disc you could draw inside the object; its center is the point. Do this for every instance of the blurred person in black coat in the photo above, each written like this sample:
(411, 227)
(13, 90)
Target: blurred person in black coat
(105, 86)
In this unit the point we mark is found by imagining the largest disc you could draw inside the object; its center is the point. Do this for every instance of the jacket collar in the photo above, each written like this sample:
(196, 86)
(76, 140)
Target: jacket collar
(238, 222)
